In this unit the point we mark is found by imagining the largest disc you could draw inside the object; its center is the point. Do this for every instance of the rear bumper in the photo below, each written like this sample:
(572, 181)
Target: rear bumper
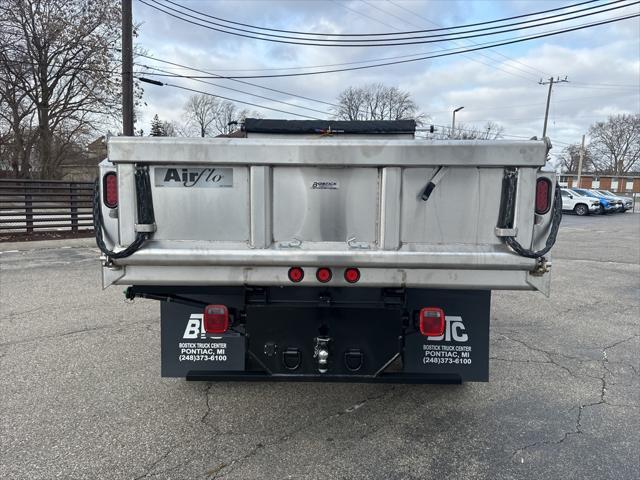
(453, 278)
(466, 267)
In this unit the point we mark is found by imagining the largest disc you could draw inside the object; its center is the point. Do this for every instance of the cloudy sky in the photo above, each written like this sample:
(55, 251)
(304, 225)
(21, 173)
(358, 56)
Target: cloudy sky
(500, 84)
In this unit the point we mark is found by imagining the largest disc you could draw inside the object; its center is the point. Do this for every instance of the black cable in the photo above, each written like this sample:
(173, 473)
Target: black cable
(226, 98)
(240, 91)
(507, 213)
(145, 215)
(483, 47)
(553, 232)
(569, 18)
(376, 34)
(214, 75)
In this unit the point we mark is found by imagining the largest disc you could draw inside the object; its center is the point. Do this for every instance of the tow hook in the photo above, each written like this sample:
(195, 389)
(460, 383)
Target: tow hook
(321, 353)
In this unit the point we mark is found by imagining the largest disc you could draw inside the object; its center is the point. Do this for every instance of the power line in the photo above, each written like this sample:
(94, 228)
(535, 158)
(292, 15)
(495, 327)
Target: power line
(397, 62)
(213, 75)
(539, 104)
(356, 62)
(239, 91)
(327, 113)
(114, 70)
(380, 34)
(486, 55)
(610, 84)
(207, 25)
(346, 7)
(162, 84)
(412, 12)
(605, 87)
(442, 48)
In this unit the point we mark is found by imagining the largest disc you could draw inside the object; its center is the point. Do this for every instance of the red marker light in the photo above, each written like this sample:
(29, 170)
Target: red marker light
(323, 275)
(110, 190)
(296, 274)
(432, 322)
(216, 318)
(352, 275)
(543, 196)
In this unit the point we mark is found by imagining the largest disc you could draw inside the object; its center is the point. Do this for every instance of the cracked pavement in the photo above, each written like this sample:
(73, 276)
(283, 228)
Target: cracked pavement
(81, 394)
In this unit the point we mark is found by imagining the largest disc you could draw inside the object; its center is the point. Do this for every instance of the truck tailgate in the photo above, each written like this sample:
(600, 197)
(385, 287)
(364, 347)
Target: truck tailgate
(243, 211)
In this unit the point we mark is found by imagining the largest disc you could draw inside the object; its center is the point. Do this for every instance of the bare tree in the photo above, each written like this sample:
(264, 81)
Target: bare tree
(615, 144)
(200, 113)
(569, 159)
(17, 115)
(376, 102)
(171, 129)
(207, 115)
(490, 131)
(59, 57)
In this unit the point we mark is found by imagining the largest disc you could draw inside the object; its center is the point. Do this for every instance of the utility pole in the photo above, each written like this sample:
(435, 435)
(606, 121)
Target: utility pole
(127, 69)
(549, 82)
(580, 161)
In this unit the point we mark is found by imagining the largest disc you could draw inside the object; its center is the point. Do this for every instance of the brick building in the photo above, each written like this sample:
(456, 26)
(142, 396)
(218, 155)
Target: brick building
(614, 183)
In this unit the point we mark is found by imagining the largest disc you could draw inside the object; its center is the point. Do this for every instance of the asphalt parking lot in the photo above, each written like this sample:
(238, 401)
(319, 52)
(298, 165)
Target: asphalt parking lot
(81, 394)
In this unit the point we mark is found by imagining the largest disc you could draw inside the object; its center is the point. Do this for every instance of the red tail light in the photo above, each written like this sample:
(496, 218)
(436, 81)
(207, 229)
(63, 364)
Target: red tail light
(323, 275)
(352, 275)
(543, 196)
(216, 318)
(432, 322)
(296, 274)
(110, 190)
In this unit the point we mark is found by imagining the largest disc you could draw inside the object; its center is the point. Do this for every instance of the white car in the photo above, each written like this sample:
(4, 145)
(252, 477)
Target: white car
(579, 204)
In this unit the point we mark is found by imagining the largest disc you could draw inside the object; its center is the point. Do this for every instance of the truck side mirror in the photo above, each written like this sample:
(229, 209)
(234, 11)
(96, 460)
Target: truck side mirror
(570, 196)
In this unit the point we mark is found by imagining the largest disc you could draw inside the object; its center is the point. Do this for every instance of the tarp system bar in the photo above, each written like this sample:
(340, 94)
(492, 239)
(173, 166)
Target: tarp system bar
(325, 151)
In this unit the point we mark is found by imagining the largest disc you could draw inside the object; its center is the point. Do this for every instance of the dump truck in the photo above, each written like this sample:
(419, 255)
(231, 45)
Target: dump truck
(325, 250)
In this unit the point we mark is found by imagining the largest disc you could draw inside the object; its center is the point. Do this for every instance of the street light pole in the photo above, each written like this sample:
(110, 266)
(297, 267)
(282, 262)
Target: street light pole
(453, 121)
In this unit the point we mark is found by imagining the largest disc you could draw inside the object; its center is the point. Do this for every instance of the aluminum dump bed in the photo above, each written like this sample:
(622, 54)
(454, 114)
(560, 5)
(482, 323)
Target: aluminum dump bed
(407, 213)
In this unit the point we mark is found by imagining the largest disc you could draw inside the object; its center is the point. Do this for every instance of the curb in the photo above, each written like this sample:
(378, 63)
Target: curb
(47, 244)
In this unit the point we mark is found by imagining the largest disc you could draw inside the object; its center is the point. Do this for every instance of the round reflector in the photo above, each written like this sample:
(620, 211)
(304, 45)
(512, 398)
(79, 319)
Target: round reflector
(323, 275)
(296, 274)
(352, 275)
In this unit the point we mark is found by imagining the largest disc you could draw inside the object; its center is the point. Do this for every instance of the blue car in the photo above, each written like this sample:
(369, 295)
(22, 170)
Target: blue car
(605, 205)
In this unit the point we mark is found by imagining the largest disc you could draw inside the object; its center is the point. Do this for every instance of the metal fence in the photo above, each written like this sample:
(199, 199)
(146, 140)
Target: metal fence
(27, 206)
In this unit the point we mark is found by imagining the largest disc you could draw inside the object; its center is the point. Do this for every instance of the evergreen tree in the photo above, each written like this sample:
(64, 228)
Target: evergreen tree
(157, 127)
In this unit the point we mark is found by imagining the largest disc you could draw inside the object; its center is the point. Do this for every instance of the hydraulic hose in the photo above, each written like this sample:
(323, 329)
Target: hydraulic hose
(145, 215)
(507, 212)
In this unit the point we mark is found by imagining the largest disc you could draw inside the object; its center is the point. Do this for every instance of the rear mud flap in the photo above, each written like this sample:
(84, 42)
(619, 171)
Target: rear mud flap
(186, 347)
(463, 349)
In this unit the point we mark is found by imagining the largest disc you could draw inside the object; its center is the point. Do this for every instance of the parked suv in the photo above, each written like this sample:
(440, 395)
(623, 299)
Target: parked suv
(579, 204)
(605, 205)
(618, 205)
(627, 203)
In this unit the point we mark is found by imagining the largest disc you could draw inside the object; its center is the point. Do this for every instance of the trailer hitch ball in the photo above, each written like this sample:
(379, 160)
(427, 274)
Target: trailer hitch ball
(321, 353)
